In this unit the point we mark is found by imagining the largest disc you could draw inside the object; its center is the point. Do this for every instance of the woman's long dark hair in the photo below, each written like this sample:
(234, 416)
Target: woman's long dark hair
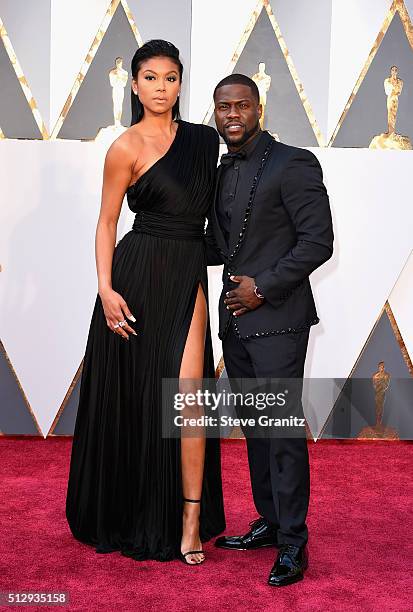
(153, 48)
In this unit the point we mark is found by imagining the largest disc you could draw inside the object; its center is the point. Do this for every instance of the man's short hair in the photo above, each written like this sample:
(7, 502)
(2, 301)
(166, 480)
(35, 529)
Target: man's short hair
(239, 79)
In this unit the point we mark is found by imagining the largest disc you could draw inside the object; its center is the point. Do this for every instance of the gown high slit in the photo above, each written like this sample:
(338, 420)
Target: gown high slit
(125, 485)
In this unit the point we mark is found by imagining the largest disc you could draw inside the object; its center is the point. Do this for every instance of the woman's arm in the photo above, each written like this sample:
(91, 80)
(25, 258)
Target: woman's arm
(214, 257)
(116, 178)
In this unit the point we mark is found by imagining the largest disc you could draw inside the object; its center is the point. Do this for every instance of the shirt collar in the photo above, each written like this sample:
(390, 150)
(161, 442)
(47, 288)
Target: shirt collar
(249, 148)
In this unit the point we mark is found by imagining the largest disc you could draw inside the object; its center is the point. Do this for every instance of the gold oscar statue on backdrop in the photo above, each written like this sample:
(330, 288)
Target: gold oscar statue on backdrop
(263, 82)
(381, 383)
(393, 87)
(118, 78)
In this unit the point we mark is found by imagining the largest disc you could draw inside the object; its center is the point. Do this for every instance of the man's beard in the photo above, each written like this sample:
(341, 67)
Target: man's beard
(247, 135)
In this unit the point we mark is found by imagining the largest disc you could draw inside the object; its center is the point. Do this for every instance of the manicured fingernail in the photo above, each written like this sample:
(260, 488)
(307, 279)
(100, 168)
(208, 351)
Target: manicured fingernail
(232, 277)
(131, 318)
(134, 333)
(227, 294)
(227, 307)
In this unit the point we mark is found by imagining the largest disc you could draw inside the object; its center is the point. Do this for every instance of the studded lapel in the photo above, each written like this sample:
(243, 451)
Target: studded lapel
(246, 190)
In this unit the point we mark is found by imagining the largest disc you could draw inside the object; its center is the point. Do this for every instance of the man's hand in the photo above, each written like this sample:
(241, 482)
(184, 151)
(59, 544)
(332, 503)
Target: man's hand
(242, 299)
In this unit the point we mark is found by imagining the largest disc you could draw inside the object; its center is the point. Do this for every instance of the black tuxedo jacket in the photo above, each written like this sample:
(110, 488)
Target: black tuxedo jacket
(281, 230)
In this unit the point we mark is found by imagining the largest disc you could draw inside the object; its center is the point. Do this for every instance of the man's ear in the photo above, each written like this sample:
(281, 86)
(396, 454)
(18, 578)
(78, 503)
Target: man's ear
(259, 110)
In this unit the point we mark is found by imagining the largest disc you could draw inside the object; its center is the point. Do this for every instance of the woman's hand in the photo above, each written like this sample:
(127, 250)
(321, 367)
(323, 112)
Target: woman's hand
(116, 309)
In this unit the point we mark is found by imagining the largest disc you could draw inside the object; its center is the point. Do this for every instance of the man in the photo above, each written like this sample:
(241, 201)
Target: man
(271, 227)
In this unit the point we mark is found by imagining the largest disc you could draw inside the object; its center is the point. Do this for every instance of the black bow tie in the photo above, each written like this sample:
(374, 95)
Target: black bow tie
(229, 158)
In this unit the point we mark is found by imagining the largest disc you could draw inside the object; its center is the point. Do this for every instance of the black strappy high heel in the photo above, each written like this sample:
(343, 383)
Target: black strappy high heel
(182, 556)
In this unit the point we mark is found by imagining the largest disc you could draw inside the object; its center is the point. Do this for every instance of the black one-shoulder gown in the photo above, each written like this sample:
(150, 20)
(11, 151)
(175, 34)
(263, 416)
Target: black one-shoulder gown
(125, 487)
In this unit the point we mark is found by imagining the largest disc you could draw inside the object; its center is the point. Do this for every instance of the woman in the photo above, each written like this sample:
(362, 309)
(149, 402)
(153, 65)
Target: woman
(129, 488)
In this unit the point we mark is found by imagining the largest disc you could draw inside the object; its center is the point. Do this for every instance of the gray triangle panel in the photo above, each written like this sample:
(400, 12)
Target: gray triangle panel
(65, 426)
(28, 26)
(92, 107)
(284, 112)
(15, 415)
(16, 117)
(355, 408)
(157, 24)
(367, 115)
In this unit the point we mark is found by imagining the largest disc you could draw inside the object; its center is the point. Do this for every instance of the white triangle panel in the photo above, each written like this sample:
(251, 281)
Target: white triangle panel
(74, 25)
(217, 28)
(354, 28)
(372, 224)
(401, 303)
(409, 5)
(49, 283)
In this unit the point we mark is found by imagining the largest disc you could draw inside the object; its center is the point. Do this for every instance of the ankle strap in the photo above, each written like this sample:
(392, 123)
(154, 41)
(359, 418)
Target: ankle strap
(192, 501)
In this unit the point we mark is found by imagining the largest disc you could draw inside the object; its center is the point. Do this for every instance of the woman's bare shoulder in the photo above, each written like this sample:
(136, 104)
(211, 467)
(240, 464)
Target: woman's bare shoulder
(125, 147)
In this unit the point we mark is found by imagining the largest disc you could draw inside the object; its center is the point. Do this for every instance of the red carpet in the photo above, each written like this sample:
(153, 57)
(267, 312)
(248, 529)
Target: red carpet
(360, 547)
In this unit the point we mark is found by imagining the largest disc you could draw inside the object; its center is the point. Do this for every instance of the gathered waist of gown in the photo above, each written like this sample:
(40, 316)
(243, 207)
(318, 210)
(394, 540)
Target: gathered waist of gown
(163, 225)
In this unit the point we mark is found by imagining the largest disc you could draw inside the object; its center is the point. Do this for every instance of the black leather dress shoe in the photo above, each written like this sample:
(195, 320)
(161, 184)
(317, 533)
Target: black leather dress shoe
(260, 535)
(289, 566)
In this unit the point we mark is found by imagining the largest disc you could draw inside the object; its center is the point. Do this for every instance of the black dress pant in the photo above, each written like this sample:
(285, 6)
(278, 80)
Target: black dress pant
(279, 467)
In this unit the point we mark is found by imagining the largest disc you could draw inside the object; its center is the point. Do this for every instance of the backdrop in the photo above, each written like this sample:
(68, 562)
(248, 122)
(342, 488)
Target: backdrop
(327, 60)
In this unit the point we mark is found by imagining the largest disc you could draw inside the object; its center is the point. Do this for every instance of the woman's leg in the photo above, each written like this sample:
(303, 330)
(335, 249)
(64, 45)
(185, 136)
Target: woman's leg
(193, 447)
